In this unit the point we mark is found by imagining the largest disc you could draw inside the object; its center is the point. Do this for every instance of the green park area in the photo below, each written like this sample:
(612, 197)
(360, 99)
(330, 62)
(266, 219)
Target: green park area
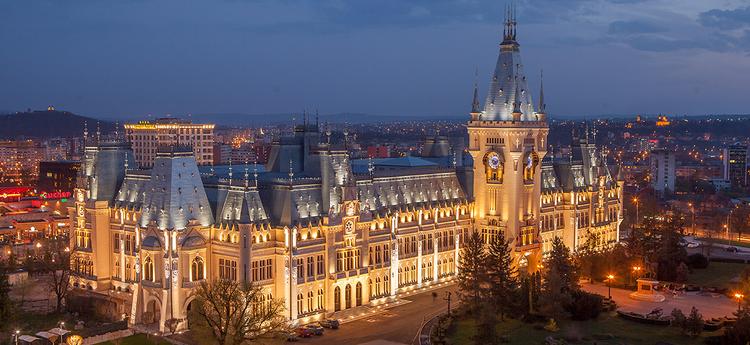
(717, 274)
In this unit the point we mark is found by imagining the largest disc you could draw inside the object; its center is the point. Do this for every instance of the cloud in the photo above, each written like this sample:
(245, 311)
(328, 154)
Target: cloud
(621, 27)
(726, 19)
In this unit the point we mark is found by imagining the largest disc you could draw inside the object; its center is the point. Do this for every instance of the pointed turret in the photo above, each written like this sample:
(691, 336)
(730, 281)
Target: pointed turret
(517, 106)
(475, 112)
(542, 113)
(508, 78)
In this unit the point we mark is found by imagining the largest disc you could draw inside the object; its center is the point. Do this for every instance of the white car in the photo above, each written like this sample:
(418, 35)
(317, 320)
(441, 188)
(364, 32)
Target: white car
(693, 245)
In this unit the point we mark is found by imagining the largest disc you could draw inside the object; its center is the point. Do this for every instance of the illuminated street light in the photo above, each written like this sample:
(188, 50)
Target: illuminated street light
(739, 298)
(609, 285)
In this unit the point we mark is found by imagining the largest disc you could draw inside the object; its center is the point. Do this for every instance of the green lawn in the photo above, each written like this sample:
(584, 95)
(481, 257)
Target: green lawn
(717, 274)
(607, 329)
(139, 339)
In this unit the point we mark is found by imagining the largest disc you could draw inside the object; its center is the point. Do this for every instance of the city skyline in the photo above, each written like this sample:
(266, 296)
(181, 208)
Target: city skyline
(109, 60)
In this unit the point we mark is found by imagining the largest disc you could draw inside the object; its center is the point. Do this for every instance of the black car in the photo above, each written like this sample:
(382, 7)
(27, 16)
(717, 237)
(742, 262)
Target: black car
(315, 329)
(732, 249)
(330, 323)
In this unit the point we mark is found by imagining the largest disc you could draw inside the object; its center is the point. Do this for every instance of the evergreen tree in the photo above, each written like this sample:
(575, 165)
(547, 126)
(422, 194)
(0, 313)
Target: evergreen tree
(472, 274)
(5, 302)
(694, 323)
(501, 276)
(555, 296)
(561, 265)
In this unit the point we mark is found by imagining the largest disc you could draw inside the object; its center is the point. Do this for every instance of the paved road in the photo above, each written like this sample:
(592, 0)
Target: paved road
(397, 325)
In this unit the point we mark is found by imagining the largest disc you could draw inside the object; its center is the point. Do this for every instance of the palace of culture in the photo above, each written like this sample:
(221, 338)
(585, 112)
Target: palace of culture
(324, 232)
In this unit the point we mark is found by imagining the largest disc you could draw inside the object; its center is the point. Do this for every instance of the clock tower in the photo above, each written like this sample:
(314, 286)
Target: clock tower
(507, 140)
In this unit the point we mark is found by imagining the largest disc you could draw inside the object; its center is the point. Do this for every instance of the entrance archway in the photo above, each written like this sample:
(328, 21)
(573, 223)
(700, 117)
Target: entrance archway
(359, 294)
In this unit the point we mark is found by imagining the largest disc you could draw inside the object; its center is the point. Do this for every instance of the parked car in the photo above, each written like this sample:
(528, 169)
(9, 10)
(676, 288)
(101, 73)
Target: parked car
(693, 245)
(315, 329)
(732, 249)
(302, 332)
(291, 336)
(330, 323)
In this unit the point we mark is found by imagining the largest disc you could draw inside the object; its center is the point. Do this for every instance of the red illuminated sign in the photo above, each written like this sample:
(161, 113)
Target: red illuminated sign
(54, 195)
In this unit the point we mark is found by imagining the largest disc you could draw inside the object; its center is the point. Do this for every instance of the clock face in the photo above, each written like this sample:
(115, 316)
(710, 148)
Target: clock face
(494, 161)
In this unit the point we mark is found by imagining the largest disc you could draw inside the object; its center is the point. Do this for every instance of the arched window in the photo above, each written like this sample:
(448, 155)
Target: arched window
(117, 269)
(310, 306)
(197, 269)
(148, 269)
(377, 286)
(386, 285)
(337, 299)
(321, 299)
(348, 296)
(299, 304)
(359, 294)
(370, 288)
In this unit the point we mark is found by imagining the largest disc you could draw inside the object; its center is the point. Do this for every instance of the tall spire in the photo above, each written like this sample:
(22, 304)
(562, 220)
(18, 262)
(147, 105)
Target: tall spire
(542, 106)
(475, 101)
(509, 30)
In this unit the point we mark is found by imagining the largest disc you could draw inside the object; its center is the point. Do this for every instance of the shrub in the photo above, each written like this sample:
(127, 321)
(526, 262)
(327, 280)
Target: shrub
(681, 275)
(584, 305)
(697, 260)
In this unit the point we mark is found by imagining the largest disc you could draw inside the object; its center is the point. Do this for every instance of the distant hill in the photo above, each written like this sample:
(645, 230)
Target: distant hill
(47, 124)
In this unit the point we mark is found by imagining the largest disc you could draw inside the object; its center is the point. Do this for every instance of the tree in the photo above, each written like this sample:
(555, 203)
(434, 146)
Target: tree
(681, 275)
(740, 220)
(678, 319)
(694, 323)
(501, 276)
(56, 265)
(473, 263)
(588, 257)
(236, 313)
(555, 295)
(6, 304)
(739, 332)
(560, 264)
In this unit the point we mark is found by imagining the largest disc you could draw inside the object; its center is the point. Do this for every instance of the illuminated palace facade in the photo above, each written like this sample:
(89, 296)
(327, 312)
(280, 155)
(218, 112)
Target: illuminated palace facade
(326, 233)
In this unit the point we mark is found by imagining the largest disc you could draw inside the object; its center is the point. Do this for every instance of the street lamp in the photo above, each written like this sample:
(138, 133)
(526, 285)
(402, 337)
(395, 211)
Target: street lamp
(609, 285)
(635, 201)
(739, 298)
(637, 271)
(16, 334)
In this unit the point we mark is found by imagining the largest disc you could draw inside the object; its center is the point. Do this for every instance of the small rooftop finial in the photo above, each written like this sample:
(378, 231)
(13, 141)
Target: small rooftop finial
(255, 172)
(85, 132)
(247, 176)
(230, 171)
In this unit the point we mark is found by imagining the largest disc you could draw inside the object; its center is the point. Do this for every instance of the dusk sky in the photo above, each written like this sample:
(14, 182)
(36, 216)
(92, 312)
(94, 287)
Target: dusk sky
(107, 58)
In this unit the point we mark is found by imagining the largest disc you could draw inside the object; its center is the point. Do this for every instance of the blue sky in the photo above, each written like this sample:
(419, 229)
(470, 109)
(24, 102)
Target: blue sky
(108, 58)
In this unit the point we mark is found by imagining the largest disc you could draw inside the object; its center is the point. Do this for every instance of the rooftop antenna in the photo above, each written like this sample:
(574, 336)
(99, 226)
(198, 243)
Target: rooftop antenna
(98, 132)
(454, 157)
